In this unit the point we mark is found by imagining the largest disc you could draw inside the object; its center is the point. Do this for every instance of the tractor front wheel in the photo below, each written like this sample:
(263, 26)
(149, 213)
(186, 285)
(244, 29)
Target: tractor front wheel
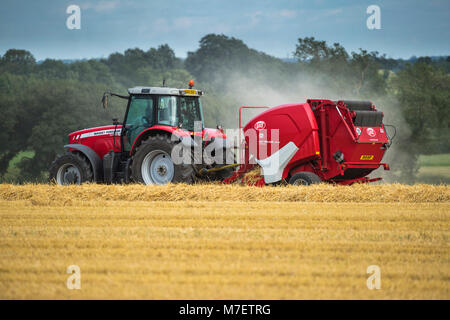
(304, 179)
(70, 168)
(152, 163)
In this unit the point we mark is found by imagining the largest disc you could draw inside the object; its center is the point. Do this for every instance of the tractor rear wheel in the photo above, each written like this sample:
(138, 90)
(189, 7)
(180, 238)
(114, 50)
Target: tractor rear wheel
(152, 163)
(304, 179)
(70, 168)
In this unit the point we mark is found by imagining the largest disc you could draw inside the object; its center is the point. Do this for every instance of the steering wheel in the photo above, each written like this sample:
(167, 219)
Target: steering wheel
(145, 121)
(131, 127)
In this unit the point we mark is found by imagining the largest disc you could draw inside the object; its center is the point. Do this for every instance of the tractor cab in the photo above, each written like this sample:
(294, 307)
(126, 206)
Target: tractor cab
(161, 106)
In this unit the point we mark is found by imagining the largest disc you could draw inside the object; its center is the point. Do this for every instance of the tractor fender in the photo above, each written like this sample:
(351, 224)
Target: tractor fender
(94, 159)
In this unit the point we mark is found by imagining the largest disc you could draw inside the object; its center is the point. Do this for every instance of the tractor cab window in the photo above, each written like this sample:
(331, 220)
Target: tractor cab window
(167, 111)
(139, 117)
(190, 112)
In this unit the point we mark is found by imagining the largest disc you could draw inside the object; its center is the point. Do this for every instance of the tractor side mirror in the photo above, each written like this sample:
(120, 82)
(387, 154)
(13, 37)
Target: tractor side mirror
(105, 100)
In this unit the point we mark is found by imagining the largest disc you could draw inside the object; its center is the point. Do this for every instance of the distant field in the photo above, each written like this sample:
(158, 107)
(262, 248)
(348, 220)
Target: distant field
(435, 160)
(434, 174)
(224, 242)
(434, 168)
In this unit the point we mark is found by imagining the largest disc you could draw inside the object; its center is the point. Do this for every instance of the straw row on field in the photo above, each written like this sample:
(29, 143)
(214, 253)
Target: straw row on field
(44, 194)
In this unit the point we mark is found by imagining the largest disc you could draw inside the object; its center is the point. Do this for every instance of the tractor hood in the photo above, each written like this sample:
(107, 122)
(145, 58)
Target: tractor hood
(103, 131)
(100, 139)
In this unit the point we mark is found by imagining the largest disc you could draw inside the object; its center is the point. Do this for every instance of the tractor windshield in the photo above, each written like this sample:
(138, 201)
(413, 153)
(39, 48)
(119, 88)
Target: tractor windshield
(190, 112)
(175, 110)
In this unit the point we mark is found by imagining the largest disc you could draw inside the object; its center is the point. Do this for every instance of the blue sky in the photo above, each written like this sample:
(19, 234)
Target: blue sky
(409, 27)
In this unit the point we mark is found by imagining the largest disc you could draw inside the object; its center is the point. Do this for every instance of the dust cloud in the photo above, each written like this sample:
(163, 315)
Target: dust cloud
(296, 87)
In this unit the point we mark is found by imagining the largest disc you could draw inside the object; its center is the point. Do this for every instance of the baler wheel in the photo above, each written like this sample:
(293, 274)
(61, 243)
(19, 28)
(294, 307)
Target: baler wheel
(152, 163)
(70, 168)
(304, 179)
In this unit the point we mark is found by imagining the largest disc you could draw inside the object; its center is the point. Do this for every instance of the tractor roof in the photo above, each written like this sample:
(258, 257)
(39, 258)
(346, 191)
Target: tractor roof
(165, 90)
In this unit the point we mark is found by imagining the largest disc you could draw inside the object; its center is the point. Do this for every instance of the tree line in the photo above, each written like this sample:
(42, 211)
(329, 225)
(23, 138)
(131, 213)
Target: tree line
(42, 102)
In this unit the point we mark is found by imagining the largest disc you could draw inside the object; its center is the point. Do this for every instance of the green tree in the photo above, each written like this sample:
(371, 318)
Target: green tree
(356, 74)
(423, 92)
(215, 55)
(17, 61)
(367, 78)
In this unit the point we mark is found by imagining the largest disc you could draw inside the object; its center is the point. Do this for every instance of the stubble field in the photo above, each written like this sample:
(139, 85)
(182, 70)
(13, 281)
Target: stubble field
(224, 242)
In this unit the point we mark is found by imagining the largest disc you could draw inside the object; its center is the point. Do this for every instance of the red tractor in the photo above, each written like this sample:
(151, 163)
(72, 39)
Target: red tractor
(140, 149)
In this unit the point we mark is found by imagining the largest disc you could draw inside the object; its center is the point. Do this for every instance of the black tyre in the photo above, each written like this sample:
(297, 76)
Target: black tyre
(304, 179)
(70, 168)
(152, 163)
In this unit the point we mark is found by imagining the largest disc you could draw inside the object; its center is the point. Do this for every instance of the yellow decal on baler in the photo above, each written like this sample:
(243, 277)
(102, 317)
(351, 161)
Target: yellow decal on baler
(366, 157)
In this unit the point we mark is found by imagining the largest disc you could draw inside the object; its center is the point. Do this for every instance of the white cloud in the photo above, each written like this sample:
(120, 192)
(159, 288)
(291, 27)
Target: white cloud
(332, 12)
(255, 17)
(161, 25)
(183, 23)
(101, 6)
(324, 14)
(288, 13)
